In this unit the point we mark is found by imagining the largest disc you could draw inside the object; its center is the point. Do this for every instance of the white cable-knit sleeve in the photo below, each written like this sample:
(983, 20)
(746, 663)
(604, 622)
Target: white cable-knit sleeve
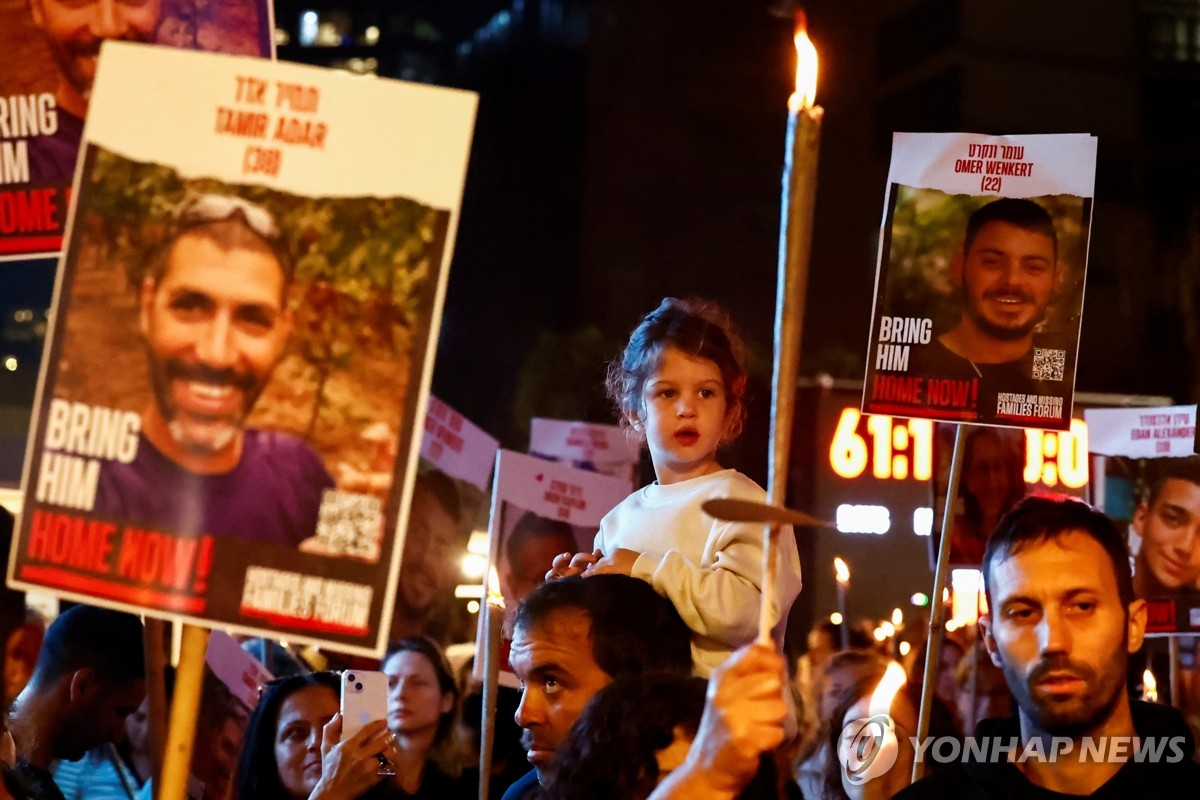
(720, 601)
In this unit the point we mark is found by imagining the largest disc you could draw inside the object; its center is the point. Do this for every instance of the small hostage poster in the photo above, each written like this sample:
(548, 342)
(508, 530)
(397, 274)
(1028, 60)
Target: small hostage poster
(1149, 483)
(979, 290)
(587, 445)
(540, 509)
(245, 308)
(51, 49)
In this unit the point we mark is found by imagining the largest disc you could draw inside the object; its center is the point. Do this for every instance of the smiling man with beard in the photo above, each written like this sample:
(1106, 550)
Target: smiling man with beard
(1007, 273)
(215, 322)
(74, 31)
(1062, 620)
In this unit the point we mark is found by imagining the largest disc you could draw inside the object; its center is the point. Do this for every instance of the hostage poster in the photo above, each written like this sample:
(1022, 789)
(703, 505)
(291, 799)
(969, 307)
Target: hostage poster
(244, 322)
(979, 290)
(1148, 482)
(539, 509)
(51, 49)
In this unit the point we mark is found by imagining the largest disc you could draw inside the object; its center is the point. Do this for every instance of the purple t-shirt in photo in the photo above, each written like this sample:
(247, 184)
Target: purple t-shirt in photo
(273, 494)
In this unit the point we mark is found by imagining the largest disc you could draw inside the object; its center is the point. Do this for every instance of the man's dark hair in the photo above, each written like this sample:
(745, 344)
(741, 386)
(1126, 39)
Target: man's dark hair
(1015, 211)
(229, 222)
(634, 629)
(1035, 520)
(108, 642)
(1183, 469)
(535, 526)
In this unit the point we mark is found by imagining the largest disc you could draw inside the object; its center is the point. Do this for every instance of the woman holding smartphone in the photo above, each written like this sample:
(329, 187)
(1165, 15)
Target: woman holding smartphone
(293, 748)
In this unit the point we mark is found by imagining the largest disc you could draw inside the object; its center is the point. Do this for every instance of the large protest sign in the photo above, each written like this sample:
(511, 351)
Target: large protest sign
(979, 289)
(1148, 481)
(541, 509)
(50, 52)
(252, 280)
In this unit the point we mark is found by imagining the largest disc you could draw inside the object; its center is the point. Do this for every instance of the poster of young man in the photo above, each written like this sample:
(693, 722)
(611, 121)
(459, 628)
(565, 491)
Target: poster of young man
(1150, 483)
(51, 49)
(241, 308)
(979, 290)
(540, 509)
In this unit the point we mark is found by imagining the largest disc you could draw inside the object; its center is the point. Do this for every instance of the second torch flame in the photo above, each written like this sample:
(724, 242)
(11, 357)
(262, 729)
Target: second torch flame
(495, 598)
(1149, 687)
(805, 95)
(885, 692)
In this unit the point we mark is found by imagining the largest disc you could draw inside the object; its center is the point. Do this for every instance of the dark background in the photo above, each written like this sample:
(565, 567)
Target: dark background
(627, 150)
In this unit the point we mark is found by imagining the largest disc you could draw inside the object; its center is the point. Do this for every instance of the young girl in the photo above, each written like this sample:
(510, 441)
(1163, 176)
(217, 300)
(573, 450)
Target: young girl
(679, 387)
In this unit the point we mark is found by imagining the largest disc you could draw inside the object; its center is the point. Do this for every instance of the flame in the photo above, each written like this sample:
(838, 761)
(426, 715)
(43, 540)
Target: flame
(897, 617)
(494, 598)
(1149, 687)
(885, 692)
(806, 68)
(841, 571)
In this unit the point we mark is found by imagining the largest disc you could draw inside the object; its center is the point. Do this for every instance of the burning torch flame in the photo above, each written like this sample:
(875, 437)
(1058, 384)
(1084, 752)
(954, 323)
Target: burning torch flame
(494, 598)
(841, 571)
(806, 68)
(885, 692)
(1149, 687)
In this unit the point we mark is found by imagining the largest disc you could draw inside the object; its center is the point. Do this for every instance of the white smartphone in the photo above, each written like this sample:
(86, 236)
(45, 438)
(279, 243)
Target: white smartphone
(364, 698)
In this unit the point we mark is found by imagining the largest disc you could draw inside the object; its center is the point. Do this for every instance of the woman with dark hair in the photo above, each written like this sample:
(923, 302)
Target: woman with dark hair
(422, 711)
(635, 732)
(293, 748)
(904, 711)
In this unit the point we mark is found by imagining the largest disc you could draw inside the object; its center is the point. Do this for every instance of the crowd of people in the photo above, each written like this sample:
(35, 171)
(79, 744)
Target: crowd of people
(640, 666)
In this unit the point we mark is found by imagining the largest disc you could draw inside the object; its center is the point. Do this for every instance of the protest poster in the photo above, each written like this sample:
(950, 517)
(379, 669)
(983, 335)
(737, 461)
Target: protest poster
(229, 693)
(540, 509)
(585, 445)
(253, 278)
(1000, 466)
(457, 446)
(50, 52)
(1149, 483)
(979, 287)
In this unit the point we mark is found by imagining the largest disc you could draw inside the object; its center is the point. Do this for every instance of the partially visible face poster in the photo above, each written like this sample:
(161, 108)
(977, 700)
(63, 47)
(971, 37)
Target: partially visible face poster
(1150, 485)
(540, 509)
(1000, 466)
(51, 48)
(229, 692)
(243, 335)
(979, 290)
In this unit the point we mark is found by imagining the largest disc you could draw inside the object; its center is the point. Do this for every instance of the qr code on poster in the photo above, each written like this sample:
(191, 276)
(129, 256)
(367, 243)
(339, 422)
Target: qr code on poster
(1048, 364)
(349, 524)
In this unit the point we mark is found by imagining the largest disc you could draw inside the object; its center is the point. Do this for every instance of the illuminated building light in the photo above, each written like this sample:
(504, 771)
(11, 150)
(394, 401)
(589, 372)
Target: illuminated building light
(966, 602)
(923, 521)
(371, 35)
(863, 519)
(473, 607)
(919, 599)
(473, 566)
(835, 618)
(478, 543)
(10, 363)
(309, 22)
(468, 591)
(905, 648)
